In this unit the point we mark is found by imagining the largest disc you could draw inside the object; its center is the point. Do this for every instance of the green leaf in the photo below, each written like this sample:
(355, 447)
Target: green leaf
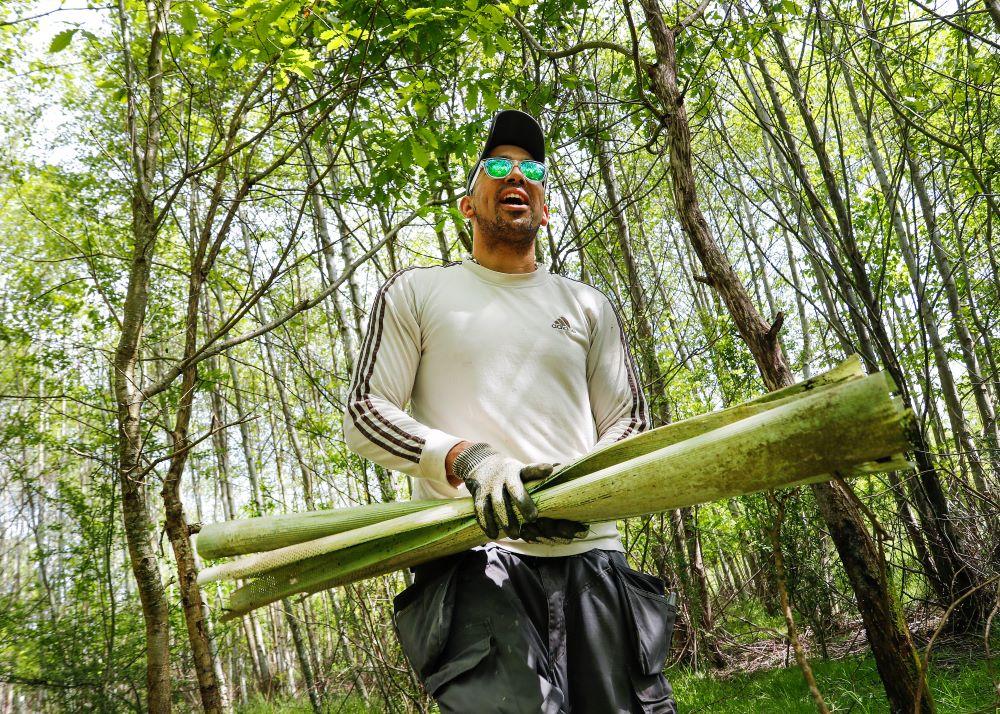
(338, 42)
(427, 137)
(207, 11)
(415, 12)
(472, 98)
(790, 7)
(420, 155)
(398, 32)
(188, 20)
(62, 40)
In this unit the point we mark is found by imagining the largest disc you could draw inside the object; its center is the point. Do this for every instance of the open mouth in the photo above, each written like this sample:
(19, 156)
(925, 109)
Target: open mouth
(513, 200)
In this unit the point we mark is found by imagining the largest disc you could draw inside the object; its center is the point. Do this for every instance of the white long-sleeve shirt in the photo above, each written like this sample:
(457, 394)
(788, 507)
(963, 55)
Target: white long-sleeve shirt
(534, 364)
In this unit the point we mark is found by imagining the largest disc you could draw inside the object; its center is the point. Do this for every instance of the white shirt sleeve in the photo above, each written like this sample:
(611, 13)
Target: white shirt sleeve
(375, 425)
(616, 397)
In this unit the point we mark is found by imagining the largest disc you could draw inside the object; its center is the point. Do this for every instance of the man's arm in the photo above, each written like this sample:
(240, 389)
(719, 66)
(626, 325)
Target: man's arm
(375, 425)
(616, 397)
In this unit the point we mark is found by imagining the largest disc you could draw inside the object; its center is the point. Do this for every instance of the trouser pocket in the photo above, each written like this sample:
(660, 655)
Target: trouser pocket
(462, 661)
(649, 616)
(422, 616)
(650, 613)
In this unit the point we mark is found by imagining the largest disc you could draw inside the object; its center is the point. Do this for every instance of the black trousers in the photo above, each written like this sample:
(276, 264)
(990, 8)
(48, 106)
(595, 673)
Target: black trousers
(489, 631)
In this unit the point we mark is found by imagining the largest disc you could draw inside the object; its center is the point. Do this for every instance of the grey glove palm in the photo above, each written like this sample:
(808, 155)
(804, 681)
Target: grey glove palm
(502, 503)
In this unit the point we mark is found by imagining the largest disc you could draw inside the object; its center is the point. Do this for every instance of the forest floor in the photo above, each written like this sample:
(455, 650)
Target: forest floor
(962, 682)
(762, 675)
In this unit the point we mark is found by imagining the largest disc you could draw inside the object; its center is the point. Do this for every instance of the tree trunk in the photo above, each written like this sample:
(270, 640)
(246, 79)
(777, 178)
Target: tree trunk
(948, 388)
(785, 158)
(786, 608)
(993, 6)
(127, 376)
(941, 359)
(178, 531)
(251, 630)
(948, 547)
(947, 272)
(655, 383)
(824, 224)
(894, 654)
(300, 652)
(800, 305)
(286, 606)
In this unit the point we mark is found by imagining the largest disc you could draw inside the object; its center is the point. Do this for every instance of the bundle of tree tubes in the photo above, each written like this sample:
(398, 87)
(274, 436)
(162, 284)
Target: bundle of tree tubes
(837, 424)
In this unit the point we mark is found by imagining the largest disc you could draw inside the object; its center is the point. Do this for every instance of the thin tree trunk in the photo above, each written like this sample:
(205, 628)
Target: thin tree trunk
(993, 6)
(948, 388)
(894, 654)
(655, 385)
(947, 272)
(805, 235)
(786, 608)
(178, 531)
(286, 606)
(948, 547)
(824, 224)
(326, 242)
(128, 396)
(258, 656)
(948, 543)
(254, 634)
(800, 305)
(303, 656)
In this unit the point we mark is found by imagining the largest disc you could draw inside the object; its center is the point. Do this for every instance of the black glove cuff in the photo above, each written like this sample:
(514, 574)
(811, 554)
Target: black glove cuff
(466, 462)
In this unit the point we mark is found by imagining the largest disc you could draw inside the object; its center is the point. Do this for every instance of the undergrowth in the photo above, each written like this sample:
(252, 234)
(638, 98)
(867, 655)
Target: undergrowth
(850, 684)
(959, 684)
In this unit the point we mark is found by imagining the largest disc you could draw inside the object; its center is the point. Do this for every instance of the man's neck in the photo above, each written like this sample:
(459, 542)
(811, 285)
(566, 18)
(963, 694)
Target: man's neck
(505, 259)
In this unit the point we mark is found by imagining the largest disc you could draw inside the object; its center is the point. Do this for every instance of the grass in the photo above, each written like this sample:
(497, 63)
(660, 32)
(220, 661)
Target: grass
(334, 704)
(851, 684)
(848, 685)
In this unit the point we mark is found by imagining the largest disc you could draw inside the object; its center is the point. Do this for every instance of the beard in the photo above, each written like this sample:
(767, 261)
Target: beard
(518, 232)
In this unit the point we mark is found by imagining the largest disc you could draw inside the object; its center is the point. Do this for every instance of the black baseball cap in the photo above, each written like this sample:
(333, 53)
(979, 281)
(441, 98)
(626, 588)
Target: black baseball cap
(513, 127)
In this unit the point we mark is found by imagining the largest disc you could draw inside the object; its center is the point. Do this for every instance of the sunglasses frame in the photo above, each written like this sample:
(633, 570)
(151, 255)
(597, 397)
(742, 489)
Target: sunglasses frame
(513, 163)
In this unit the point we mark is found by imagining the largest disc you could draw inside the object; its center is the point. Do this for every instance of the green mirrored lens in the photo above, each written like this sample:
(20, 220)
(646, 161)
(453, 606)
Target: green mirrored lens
(498, 168)
(533, 170)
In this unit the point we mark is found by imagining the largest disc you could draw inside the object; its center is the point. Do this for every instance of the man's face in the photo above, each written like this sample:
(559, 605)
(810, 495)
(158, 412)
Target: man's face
(510, 209)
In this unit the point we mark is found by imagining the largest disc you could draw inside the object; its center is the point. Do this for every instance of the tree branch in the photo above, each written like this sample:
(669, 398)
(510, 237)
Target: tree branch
(568, 52)
(955, 25)
(693, 17)
(205, 352)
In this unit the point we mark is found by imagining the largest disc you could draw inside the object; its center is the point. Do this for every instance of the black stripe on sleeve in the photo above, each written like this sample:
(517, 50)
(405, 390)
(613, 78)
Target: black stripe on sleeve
(370, 422)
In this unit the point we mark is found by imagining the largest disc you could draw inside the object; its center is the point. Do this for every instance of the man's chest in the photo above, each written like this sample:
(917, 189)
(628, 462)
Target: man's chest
(506, 330)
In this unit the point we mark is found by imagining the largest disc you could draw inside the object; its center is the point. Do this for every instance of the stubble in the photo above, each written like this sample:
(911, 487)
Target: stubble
(500, 229)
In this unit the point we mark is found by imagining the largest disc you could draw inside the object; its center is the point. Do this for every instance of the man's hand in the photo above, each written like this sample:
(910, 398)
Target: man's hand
(553, 531)
(502, 503)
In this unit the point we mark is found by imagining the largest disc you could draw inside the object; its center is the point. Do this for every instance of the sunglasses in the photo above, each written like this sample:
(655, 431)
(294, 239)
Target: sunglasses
(499, 168)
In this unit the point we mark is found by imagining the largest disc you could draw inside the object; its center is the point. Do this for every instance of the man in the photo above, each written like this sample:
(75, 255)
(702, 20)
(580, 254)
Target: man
(508, 369)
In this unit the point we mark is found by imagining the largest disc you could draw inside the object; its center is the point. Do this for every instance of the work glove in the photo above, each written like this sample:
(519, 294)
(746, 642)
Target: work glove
(502, 503)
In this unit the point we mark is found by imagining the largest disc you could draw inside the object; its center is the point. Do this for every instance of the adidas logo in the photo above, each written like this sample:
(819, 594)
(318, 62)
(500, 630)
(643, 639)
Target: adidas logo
(562, 323)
